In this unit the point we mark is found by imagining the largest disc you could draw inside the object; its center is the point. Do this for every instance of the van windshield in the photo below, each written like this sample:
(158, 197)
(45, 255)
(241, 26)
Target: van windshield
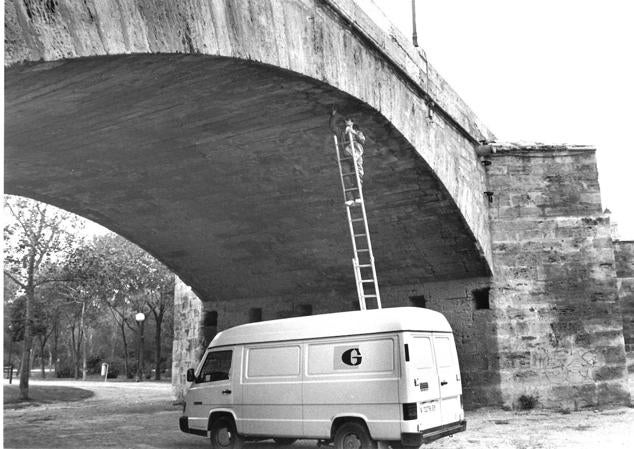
(216, 367)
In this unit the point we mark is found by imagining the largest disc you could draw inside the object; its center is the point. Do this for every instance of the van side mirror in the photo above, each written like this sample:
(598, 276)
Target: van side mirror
(191, 376)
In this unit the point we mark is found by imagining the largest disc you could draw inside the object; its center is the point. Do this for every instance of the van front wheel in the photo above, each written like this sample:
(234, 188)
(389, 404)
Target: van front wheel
(353, 435)
(223, 435)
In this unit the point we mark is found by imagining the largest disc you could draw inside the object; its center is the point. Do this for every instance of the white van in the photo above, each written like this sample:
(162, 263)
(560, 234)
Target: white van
(352, 378)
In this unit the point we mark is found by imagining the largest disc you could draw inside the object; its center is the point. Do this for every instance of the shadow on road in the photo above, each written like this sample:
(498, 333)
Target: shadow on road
(43, 394)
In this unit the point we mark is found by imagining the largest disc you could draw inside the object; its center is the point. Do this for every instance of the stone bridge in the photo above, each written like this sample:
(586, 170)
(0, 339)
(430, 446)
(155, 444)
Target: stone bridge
(198, 130)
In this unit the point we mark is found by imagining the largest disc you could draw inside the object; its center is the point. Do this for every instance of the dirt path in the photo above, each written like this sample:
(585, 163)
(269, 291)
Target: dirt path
(141, 415)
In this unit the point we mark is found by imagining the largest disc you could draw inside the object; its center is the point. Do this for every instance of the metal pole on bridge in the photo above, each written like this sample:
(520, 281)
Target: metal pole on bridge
(414, 34)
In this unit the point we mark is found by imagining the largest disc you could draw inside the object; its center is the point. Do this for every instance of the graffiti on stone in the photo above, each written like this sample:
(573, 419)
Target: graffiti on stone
(575, 367)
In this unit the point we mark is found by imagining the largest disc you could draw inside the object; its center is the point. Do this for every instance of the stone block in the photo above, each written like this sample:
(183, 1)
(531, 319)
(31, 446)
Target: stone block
(555, 279)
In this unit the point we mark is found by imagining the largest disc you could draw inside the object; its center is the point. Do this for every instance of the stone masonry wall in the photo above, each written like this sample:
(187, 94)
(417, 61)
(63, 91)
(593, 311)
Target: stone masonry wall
(474, 328)
(624, 254)
(473, 325)
(187, 345)
(554, 294)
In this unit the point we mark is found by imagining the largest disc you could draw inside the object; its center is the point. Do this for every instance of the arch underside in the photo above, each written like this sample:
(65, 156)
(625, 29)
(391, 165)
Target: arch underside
(224, 169)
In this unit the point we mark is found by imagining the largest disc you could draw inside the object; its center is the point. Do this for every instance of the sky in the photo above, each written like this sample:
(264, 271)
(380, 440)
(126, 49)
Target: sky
(550, 71)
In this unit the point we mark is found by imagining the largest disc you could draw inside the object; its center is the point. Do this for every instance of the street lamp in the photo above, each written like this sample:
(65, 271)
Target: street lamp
(140, 318)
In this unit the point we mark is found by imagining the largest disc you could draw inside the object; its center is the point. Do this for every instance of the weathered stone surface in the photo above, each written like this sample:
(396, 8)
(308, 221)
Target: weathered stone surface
(624, 255)
(188, 344)
(554, 290)
(198, 130)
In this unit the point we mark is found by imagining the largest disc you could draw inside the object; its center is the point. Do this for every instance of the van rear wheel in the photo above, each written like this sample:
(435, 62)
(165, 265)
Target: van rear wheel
(223, 435)
(353, 435)
(284, 441)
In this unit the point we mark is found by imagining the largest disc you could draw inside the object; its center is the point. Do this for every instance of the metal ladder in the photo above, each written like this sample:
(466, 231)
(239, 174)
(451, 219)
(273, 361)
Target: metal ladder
(363, 261)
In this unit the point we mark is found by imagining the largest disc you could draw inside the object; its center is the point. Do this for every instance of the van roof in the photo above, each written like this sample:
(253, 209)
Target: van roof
(335, 324)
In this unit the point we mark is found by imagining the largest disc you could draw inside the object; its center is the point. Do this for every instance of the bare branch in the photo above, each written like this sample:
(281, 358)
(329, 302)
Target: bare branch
(48, 281)
(14, 279)
(26, 230)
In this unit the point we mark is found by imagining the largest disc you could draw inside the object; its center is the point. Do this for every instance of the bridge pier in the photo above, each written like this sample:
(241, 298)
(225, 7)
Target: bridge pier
(548, 324)
(554, 289)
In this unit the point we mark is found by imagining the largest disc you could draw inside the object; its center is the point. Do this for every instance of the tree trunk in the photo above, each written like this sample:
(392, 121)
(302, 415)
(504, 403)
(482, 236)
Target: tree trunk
(42, 363)
(32, 356)
(125, 349)
(11, 356)
(73, 352)
(77, 350)
(55, 348)
(25, 366)
(83, 341)
(113, 348)
(157, 342)
(158, 319)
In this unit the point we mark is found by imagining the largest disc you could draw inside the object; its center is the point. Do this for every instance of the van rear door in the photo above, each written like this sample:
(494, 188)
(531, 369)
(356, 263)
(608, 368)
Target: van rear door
(449, 377)
(423, 384)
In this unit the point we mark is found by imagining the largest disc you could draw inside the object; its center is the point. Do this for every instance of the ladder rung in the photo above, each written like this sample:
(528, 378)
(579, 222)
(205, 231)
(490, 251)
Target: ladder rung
(367, 265)
(369, 296)
(359, 235)
(351, 188)
(345, 158)
(357, 219)
(363, 250)
(365, 281)
(348, 174)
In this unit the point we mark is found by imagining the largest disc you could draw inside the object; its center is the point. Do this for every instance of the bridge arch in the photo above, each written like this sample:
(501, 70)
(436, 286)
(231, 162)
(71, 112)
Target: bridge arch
(198, 131)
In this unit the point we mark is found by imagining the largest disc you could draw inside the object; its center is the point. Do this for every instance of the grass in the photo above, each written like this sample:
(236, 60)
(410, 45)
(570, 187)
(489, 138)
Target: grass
(43, 394)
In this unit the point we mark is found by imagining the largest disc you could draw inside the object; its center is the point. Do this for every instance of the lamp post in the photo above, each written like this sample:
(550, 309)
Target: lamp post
(140, 318)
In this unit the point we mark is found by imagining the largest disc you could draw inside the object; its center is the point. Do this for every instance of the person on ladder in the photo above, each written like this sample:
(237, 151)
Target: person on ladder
(353, 148)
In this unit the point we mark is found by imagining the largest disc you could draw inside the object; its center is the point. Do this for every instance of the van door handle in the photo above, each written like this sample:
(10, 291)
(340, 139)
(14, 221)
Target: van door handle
(443, 383)
(226, 391)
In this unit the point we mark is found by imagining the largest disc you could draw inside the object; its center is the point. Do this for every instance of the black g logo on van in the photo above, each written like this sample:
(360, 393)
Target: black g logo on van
(352, 357)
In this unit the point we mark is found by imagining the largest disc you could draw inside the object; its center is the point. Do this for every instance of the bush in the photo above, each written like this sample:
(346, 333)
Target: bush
(527, 402)
(113, 372)
(93, 364)
(115, 367)
(64, 370)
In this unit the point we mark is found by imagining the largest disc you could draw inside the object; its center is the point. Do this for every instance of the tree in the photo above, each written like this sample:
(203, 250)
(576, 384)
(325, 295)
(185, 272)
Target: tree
(159, 298)
(82, 300)
(128, 280)
(45, 317)
(108, 267)
(82, 307)
(35, 236)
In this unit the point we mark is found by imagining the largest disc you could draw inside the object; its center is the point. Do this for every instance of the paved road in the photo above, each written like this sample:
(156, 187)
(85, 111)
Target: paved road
(141, 416)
